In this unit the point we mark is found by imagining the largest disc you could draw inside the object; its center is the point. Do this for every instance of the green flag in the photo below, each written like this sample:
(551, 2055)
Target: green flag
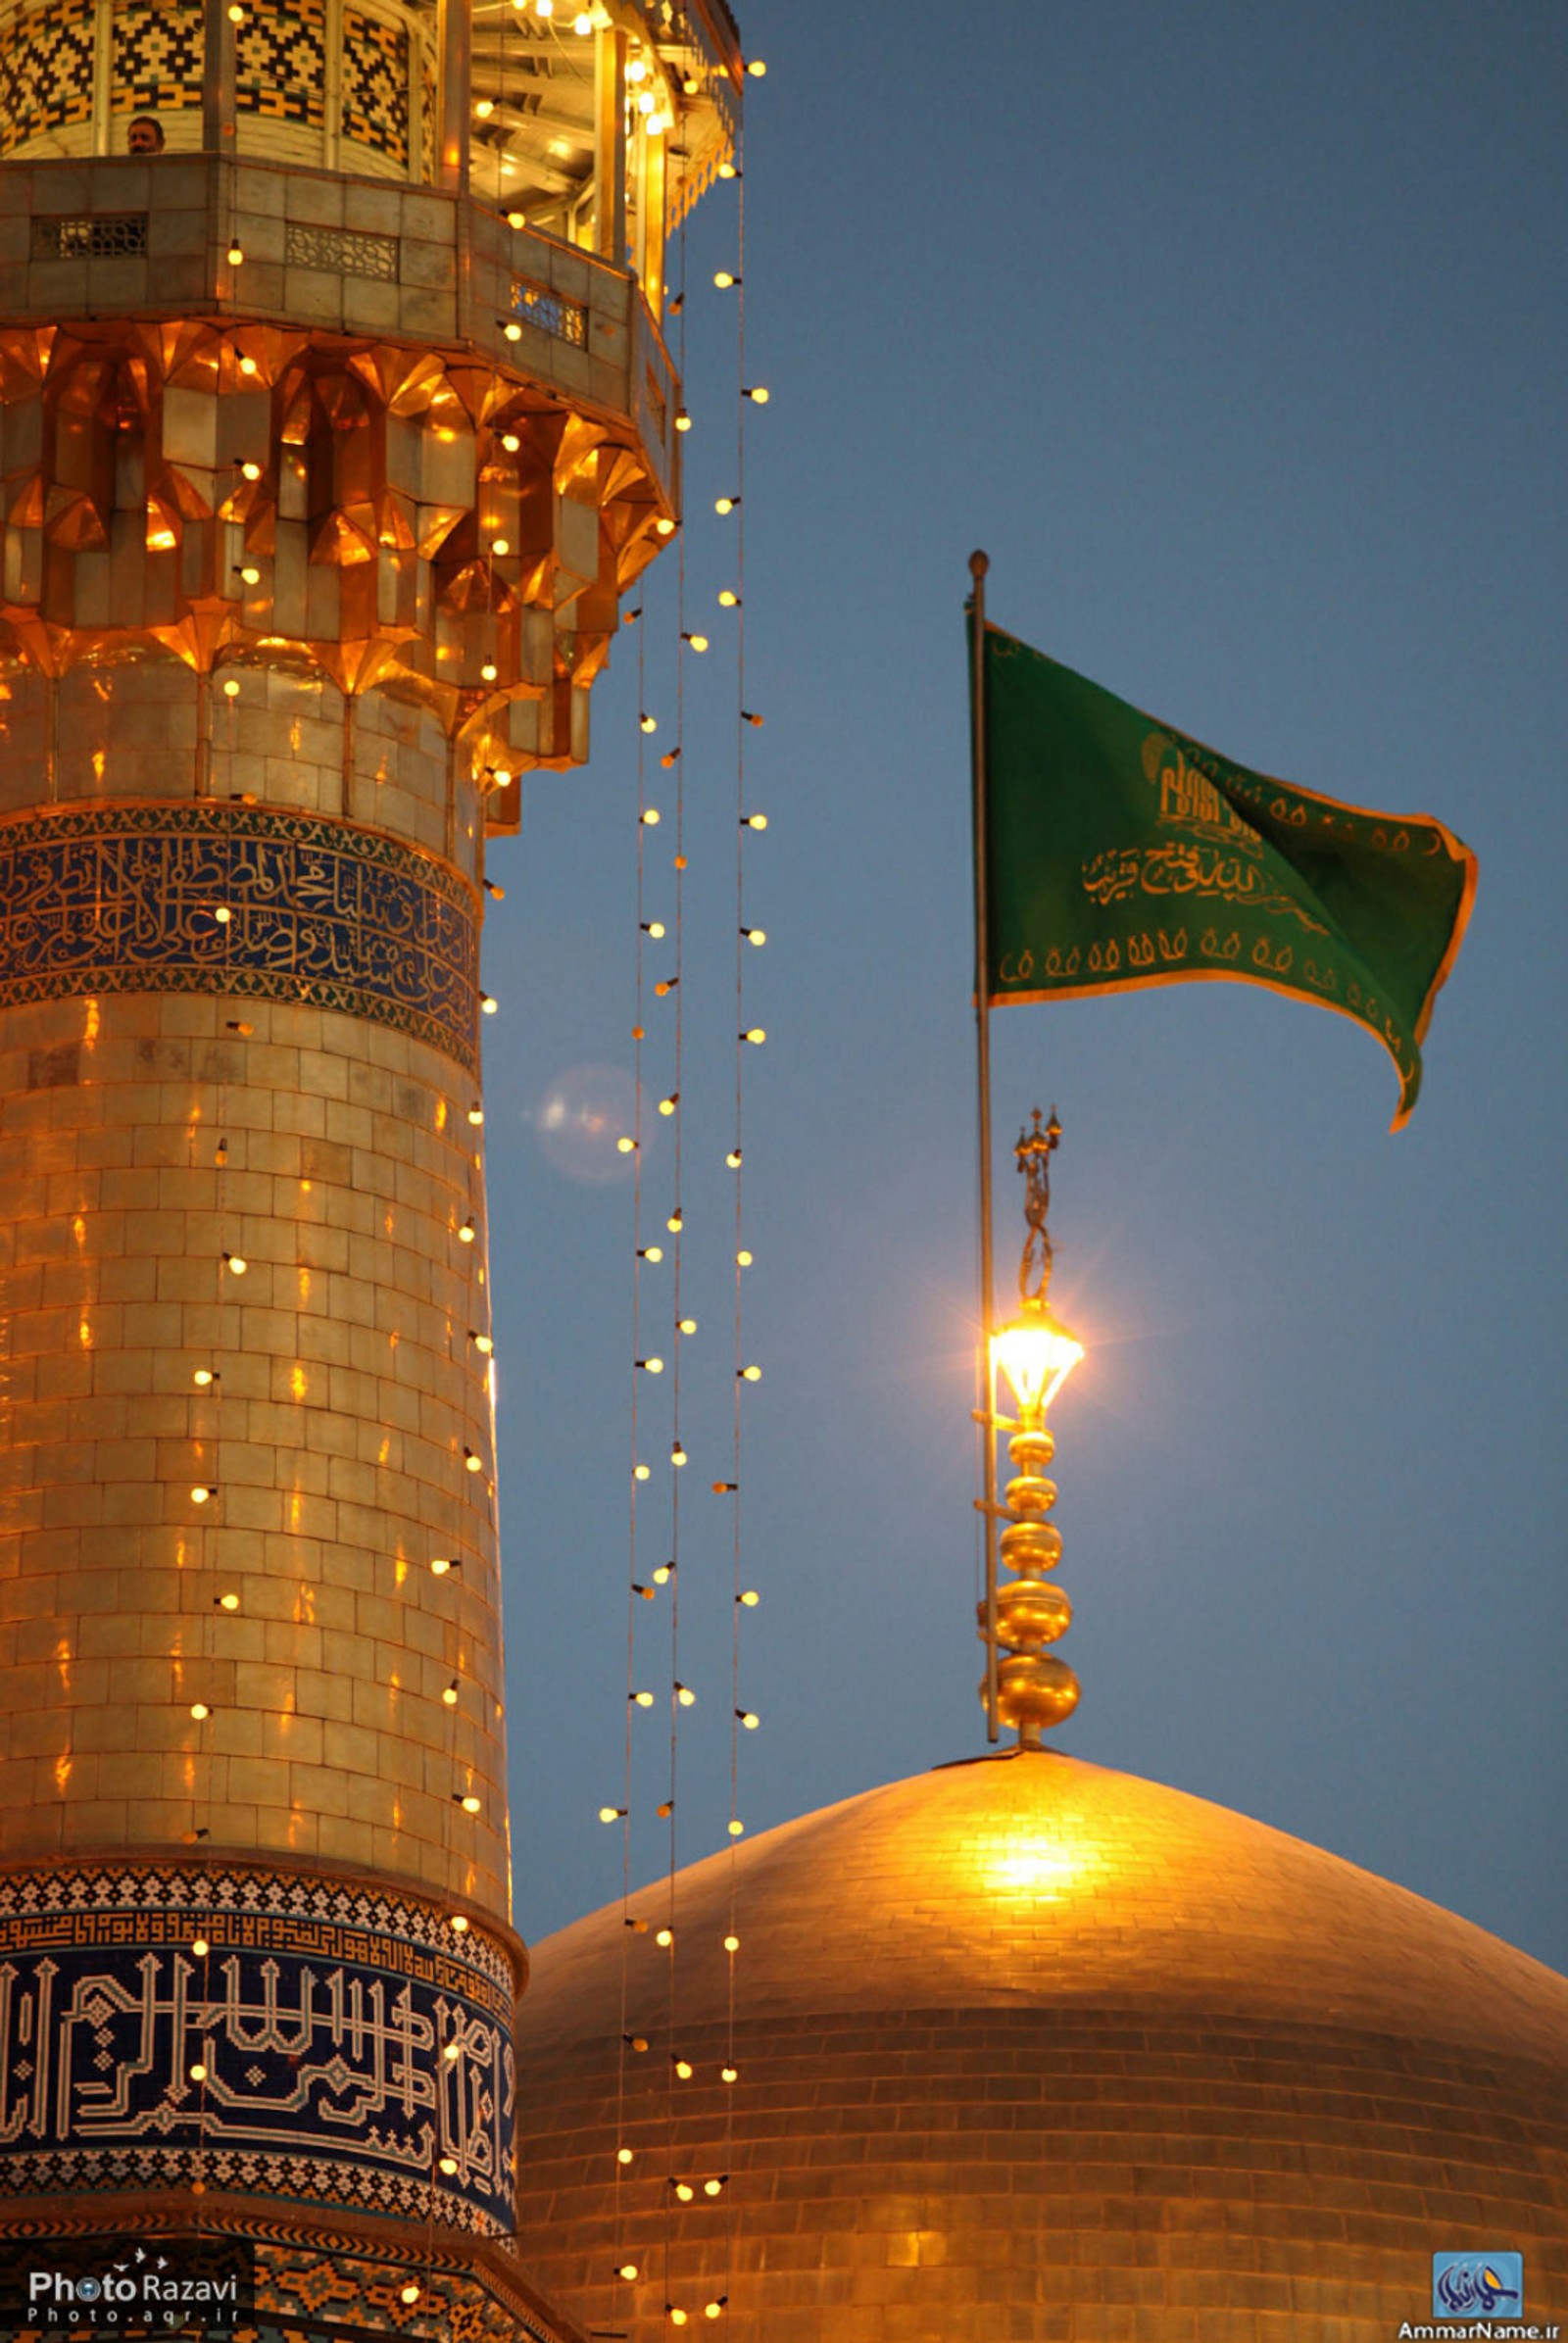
(1120, 852)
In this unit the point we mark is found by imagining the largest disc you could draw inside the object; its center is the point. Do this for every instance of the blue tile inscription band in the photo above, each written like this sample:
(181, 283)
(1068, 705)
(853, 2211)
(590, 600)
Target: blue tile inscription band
(220, 898)
(353, 2048)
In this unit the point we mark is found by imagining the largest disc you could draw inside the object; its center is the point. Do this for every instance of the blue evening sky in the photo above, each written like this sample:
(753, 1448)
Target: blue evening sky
(1236, 335)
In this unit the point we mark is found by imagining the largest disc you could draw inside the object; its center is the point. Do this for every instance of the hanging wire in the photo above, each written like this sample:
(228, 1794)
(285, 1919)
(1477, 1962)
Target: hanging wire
(740, 925)
(638, 1470)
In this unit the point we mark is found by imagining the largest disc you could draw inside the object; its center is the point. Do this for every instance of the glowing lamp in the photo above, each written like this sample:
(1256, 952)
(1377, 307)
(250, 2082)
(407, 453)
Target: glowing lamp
(1037, 1354)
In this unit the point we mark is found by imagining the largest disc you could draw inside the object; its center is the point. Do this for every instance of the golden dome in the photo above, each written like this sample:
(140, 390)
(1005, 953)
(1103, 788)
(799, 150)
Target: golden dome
(1028, 2048)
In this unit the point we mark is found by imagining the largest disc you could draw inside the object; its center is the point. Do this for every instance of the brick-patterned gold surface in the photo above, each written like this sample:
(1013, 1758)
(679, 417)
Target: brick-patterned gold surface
(1029, 2049)
(350, 1394)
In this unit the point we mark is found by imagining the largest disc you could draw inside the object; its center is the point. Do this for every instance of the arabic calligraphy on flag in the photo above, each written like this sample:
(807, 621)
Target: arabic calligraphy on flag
(1120, 852)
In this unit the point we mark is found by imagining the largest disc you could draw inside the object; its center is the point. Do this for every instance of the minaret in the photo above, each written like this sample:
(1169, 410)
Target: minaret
(334, 418)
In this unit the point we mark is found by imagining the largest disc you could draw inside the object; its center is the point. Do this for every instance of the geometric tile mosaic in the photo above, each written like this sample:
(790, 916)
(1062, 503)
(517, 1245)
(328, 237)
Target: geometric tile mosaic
(115, 899)
(157, 56)
(376, 84)
(281, 62)
(45, 71)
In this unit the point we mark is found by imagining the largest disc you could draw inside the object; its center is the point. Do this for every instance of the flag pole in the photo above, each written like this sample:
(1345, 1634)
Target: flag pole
(979, 563)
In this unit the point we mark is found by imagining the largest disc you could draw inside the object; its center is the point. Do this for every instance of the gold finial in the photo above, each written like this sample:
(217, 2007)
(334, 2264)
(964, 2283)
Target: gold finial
(1036, 1354)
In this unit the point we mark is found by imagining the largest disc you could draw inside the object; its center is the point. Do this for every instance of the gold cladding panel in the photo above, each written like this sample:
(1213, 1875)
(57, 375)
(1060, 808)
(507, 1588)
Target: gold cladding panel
(1030, 2049)
(349, 1393)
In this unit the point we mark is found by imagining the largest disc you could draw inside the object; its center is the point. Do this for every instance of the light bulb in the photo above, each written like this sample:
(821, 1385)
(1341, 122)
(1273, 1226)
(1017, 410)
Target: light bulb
(200, 1947)
(757, 821)
(750, 1598)
(677, 1456)
(200, 1493)
(625, 1146)
(222, 914)
(450, 1694)
(725, 503)
(489, 1004)
(698, 642)
(447, 2166)
(664, 528)
(743, 1258)
(685, 1695)
(736, 1829)
(755, 935)
(247, 366)
(683, 422)
(687, 1326)
(675, 1223)
(710, 2188)
(500, 545)
(759, 394)
(685, 2191)
(663, 1573)
(728, 2074)
(487, 674)
(627, 2269)
(652, 1366)
(1037, 1354)
(467, 1233)
(725, 279)
(484, 1345)
(228, 1602)
(623, 2155)
(582, 24)
(650, 1252)
(440, 1564)
(731, 1945)
(667, 1105)
(203, 1376)
(611, 1814)
(200, 1710)
(511, 331)
(460, 1924)
(250, 471)
(728, 599)
(643, 1699)
(654, 928)
(486, 108)
(750, 1374)
(756, 66)
(510, 442)
(236, 256)
(476, 1116)
(250, 575)
(733, 1159)
(683, 2067)
(409, 2293)
(470, 1804)
(198, 2072)
(749, 1718)
(236, 1265)
(755, 1034)
(452, 2052)
(640, 1472)
(665, 1937)
(677, 2316)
